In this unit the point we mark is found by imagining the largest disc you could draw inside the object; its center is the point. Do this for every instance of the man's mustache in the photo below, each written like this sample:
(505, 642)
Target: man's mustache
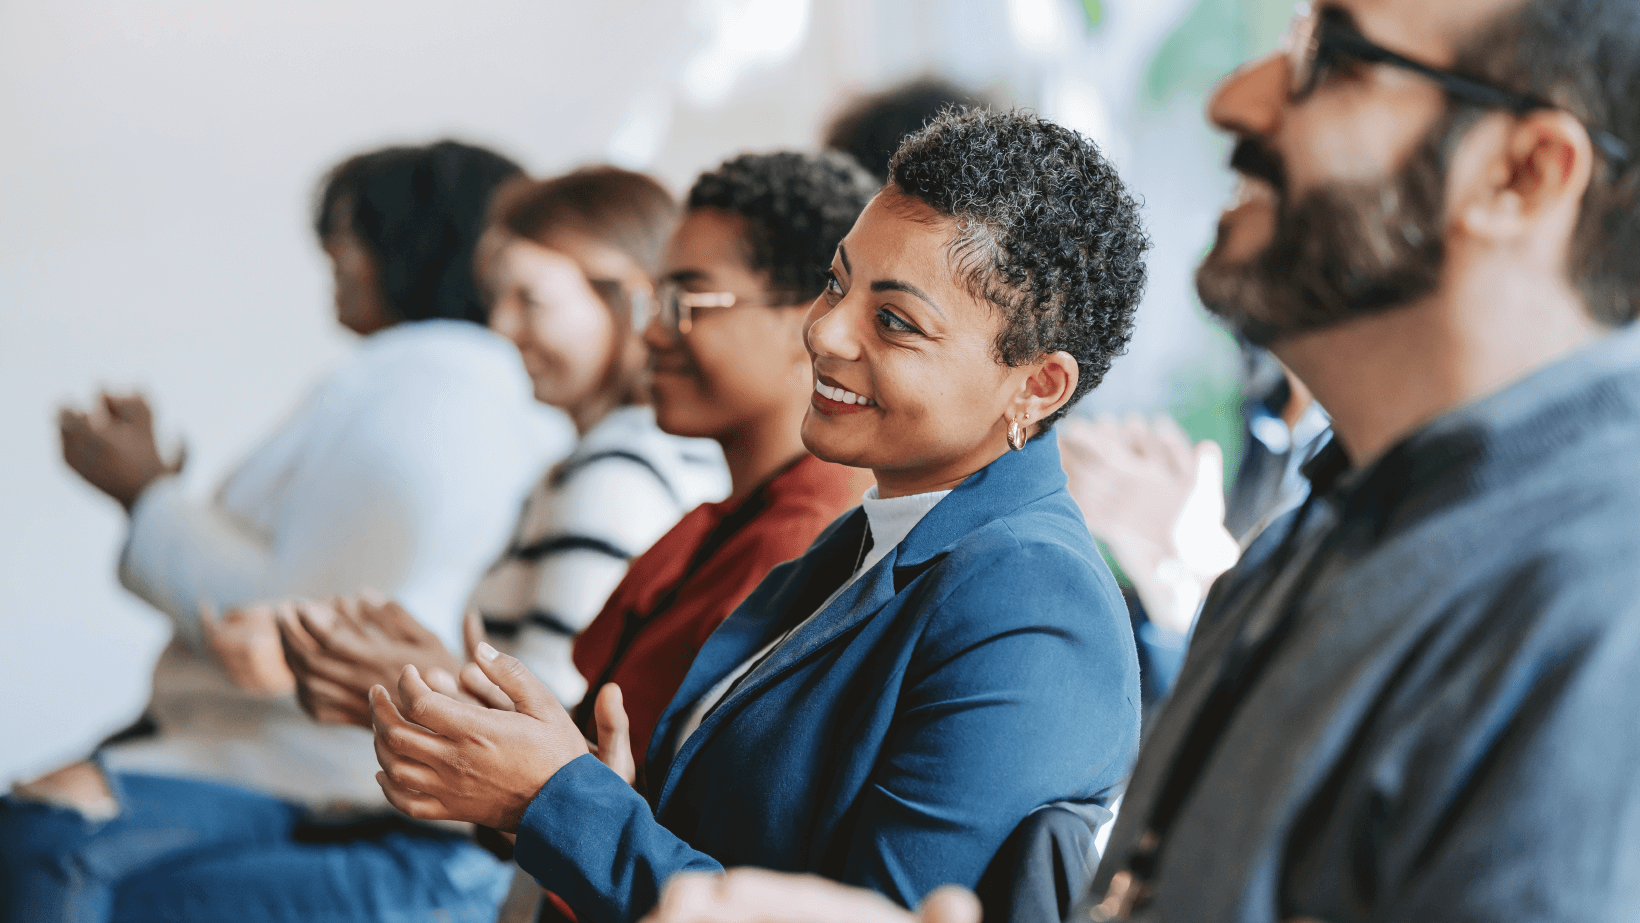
(1252, 158)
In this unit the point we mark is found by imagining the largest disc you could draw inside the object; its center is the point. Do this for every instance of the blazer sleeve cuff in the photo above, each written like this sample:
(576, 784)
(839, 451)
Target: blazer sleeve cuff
(592, 840)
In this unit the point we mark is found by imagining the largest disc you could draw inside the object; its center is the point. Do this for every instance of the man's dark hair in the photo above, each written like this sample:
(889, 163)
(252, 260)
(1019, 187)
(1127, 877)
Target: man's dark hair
(1584, 56)
(797, 207)
(419, 211)
(1045, 231)
(871, 128)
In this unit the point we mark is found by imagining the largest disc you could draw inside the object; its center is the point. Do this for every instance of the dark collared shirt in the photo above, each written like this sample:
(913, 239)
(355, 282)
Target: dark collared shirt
(1418, 696)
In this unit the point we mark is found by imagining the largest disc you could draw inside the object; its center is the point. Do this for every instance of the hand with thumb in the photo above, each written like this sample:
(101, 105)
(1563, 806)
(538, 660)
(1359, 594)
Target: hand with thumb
(443, 759)
(614, 733)
(529, 695)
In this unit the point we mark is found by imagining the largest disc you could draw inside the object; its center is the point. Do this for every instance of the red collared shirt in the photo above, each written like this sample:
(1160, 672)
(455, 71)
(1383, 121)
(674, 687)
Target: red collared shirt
(798, 503)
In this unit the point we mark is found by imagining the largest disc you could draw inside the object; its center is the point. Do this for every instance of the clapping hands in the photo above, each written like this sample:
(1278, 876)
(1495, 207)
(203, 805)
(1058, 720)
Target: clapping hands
(245, 644)
(1158, 502)
(338, 651)
(443, 759)
(113, 448)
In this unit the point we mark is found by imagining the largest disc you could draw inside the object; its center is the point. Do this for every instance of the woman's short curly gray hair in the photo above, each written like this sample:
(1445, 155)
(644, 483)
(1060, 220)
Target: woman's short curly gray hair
(1045, 231)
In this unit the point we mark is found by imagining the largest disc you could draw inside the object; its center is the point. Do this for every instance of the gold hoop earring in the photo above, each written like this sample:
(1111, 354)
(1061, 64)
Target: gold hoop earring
(1016, 436)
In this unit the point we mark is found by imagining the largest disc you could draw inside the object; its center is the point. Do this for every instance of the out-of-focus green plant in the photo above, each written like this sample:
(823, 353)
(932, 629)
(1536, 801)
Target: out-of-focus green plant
(1214, 39)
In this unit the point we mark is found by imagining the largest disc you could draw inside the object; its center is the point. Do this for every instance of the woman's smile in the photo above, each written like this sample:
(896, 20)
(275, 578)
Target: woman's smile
(831, 398)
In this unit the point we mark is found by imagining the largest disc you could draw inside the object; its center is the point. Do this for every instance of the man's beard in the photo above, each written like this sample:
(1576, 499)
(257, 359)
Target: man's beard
(1339, 253)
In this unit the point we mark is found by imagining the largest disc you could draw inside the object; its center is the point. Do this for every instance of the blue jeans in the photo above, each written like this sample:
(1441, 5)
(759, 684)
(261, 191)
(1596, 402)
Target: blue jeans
(189, 850)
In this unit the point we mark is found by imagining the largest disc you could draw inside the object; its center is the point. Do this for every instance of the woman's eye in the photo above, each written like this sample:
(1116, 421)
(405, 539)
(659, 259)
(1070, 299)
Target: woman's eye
(894, 322)
(834, 288)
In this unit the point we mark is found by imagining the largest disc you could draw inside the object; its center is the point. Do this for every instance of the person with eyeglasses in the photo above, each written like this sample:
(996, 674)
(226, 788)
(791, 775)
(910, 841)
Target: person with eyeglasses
(1414, 697)
(1409, 698)
(946, 658)
(572, 265)
(566, 264)
(726, 362)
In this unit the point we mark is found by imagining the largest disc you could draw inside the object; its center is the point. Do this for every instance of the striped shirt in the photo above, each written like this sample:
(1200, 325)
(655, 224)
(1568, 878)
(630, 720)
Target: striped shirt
(623, 487)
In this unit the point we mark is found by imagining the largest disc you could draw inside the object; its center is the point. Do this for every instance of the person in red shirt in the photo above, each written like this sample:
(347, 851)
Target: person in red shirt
(728, 363)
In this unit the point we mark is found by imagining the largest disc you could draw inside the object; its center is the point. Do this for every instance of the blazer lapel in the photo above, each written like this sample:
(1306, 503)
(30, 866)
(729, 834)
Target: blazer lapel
(862, 599)
(802, 586)
(1009, 482)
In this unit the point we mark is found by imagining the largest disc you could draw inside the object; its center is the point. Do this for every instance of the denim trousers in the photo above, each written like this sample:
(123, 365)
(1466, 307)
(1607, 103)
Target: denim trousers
(202, 852)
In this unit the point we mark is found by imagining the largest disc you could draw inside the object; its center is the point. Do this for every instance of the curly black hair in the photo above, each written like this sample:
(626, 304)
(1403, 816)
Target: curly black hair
(797, 206)
(1045, 231)
(419, 211)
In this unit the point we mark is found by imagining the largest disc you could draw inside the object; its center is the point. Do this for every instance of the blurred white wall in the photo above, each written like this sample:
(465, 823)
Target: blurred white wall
(156, 166)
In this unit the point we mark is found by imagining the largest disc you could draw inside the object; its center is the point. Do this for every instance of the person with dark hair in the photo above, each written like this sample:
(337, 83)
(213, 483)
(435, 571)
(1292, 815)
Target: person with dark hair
(1414, 698)
(870, 128)
(568, 262)
(629, 480)
(755, 233)
(726, 362)
(945, 659)
(413, 210)
(402, 473)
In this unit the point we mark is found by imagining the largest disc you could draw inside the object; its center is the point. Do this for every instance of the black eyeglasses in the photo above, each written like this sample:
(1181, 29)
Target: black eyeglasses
(676, 308)
(1320, 37)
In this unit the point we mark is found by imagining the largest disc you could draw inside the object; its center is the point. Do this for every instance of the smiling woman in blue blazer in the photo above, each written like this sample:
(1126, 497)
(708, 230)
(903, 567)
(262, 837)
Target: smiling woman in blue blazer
(886, 709)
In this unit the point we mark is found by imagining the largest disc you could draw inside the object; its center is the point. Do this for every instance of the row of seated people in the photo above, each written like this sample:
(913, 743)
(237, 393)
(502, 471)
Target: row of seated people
(1404, 701)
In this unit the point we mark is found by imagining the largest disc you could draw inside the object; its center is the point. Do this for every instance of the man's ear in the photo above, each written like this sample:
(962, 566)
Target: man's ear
(1049, 386)
(1517, 176)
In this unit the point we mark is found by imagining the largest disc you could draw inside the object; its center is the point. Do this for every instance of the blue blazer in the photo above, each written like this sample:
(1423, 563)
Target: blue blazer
(982, 668)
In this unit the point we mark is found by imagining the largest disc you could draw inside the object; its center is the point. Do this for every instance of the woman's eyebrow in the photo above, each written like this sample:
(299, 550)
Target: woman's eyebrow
(895, 285)
(842, 254)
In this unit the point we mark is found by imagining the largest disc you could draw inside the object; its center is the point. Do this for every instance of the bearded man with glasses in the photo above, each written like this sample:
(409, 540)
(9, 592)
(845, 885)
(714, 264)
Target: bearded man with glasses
(1411, 699)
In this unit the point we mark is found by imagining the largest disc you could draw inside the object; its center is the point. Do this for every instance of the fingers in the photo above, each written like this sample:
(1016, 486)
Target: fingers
(312, 650)
(472, 632)
(346, 610)
(405, 773)
(1174, 444)
(335, 635)
(401, 738)
(614, 737)
(442, 682)
(412, 804)
(950, 904)
(432, 710)
(687, 897)
(300, 647)
(477, 685)
(1209, 466)
(332, 703)
(390, 619)
(129, 408)
(528, 694)
(757, 896)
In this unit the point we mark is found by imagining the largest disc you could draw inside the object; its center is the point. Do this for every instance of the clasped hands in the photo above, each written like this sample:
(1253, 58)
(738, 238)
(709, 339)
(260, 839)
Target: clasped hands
(469, 742)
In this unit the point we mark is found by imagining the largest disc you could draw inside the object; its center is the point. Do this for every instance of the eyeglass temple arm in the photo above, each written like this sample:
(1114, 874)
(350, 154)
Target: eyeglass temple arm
(1473, 91)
